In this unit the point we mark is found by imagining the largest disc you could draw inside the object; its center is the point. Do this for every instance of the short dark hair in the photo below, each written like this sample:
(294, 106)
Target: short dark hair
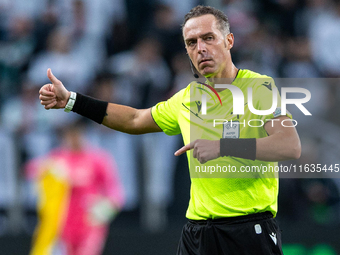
(201, 10)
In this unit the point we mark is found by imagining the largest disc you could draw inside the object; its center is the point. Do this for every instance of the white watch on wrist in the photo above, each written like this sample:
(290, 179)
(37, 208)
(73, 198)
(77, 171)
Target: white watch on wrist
(70, 102)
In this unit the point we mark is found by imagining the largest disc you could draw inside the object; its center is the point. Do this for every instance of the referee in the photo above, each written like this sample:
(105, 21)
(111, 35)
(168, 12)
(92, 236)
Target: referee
(225, 215)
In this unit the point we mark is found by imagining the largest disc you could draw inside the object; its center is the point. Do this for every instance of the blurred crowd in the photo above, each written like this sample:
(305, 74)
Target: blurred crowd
(132, 52)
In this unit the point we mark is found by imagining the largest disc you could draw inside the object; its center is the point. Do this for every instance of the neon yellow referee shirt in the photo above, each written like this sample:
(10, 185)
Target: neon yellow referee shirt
(223, 194)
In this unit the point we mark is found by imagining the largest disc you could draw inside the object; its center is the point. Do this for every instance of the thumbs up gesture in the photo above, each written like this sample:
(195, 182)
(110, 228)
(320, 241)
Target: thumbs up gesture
(53, 95)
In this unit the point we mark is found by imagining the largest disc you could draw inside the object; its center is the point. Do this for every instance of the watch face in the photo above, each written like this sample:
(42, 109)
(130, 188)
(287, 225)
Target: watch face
(73, 95)
(70, 103)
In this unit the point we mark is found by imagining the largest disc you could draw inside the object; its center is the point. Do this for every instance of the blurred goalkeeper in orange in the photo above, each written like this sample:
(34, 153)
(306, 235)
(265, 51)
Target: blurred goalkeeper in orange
(79, 193)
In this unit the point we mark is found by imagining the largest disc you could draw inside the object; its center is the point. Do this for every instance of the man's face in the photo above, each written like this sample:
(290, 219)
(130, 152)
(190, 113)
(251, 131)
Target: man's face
(207, 47)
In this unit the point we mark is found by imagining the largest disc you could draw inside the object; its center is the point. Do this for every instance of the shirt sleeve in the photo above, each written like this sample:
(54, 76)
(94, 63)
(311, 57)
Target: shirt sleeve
(166, 114)
(264, 99)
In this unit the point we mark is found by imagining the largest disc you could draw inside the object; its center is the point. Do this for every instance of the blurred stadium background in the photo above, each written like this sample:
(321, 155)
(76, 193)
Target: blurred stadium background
(131, 52)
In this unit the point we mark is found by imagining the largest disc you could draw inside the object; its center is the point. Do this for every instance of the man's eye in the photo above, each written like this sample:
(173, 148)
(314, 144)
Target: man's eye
(191, 43)
(209, 38)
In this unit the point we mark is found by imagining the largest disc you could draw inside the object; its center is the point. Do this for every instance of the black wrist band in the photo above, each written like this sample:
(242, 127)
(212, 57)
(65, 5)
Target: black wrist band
(91, 108)
(241, 148)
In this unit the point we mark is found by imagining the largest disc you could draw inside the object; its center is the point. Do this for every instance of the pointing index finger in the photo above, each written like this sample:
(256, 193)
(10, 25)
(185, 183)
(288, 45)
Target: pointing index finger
(185, 148)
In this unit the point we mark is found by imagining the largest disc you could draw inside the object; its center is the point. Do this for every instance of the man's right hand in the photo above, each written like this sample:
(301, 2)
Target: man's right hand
(55, 95)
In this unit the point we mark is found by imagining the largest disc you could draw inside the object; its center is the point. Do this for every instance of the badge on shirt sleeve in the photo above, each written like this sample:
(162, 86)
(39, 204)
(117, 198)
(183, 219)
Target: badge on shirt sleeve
(231, 129)
(277, 112)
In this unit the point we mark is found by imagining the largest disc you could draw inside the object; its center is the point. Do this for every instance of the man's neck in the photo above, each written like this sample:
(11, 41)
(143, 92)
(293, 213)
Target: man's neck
(226, 78)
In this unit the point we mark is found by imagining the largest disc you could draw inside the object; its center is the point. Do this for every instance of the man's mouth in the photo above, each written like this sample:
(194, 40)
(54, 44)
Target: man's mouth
(204, 60)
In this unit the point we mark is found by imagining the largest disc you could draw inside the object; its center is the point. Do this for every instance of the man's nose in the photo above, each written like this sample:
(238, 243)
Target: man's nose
(201, 47)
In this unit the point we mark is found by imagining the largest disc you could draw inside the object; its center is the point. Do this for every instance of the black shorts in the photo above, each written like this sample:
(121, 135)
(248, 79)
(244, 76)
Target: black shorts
(254, 234)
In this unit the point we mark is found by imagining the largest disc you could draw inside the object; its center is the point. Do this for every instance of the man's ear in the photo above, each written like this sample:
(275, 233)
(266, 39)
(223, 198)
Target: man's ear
(229, 42)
